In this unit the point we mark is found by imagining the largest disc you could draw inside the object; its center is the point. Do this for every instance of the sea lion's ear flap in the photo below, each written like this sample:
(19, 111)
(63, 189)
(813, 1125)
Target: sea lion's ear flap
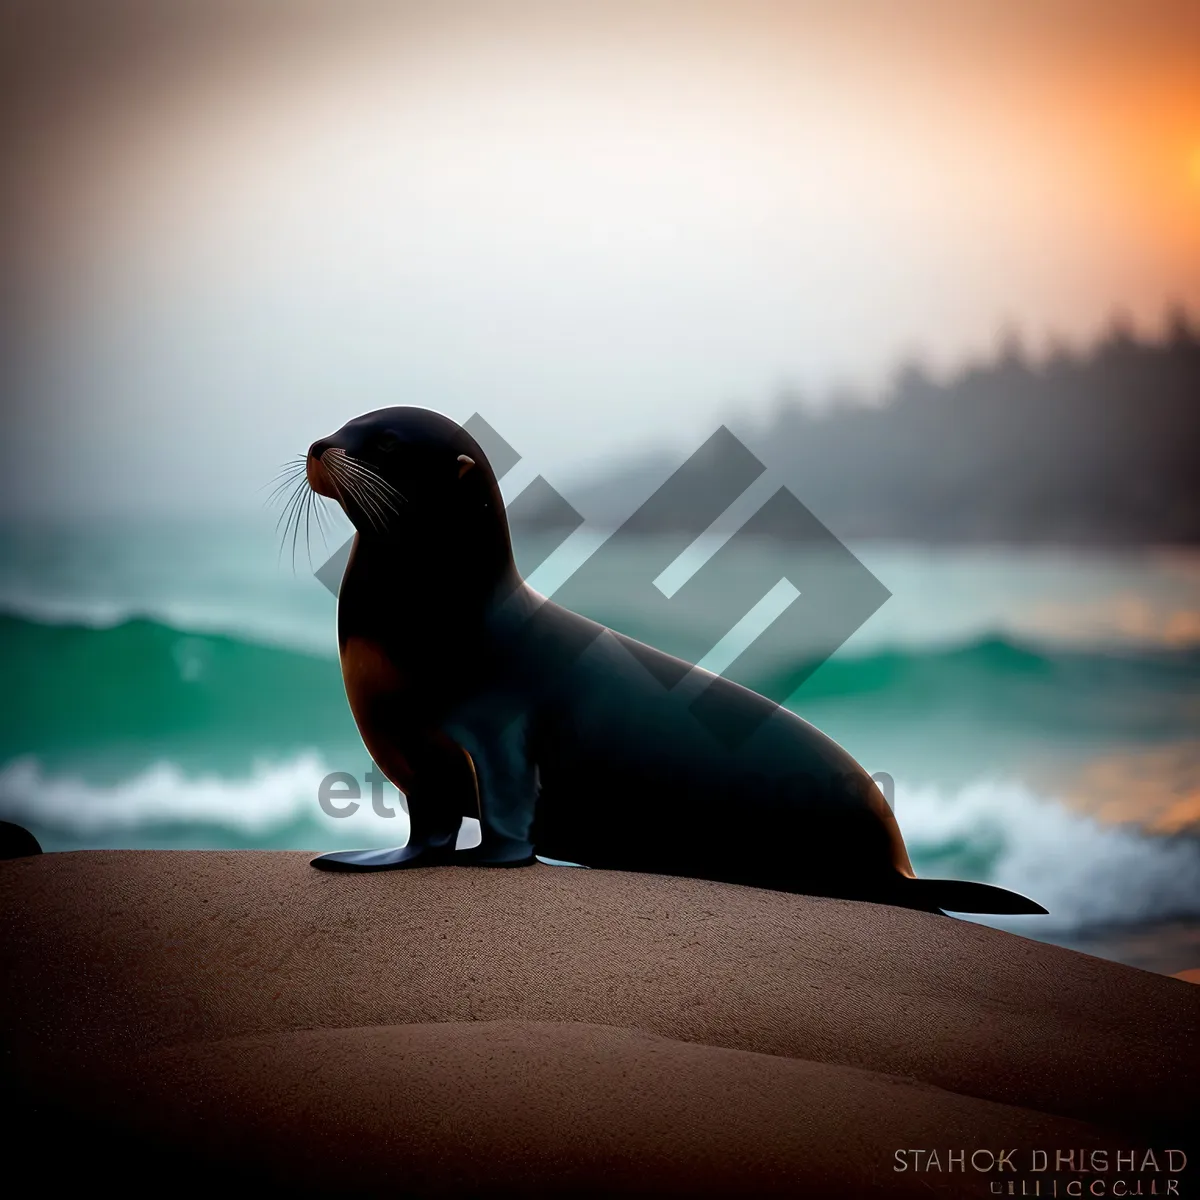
(465, 464)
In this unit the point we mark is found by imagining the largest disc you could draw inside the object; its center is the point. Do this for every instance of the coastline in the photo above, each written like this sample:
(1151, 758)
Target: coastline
(449, 1031)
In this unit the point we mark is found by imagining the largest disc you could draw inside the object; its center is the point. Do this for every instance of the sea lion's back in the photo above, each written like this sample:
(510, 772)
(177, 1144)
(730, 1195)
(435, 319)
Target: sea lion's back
(704, 777)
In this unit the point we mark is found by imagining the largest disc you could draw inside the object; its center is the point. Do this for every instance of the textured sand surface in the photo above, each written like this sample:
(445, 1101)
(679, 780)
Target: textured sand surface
(545, 1030)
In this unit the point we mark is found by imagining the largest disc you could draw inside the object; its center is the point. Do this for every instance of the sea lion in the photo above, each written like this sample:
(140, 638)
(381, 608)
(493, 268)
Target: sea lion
(476, 696)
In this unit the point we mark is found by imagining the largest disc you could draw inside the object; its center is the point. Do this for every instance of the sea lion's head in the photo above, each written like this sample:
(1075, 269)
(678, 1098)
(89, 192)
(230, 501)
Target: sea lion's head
(415, 482)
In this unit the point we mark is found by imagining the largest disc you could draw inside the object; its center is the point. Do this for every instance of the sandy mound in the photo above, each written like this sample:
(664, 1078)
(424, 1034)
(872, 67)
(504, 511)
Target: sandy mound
(537, 1030)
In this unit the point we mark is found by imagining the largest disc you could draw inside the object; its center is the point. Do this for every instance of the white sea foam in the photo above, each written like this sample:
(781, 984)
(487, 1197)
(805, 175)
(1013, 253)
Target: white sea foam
(1086, 873)
(163, 801)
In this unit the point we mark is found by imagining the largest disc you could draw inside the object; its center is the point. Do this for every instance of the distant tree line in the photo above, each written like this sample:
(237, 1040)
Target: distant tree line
(1096, 447)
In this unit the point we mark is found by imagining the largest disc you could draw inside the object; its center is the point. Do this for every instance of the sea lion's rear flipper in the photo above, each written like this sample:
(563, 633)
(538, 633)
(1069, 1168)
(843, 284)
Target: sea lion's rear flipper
(958, 895)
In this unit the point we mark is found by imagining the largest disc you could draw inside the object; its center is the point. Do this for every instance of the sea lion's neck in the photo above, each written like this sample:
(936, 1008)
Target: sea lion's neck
(388, 590)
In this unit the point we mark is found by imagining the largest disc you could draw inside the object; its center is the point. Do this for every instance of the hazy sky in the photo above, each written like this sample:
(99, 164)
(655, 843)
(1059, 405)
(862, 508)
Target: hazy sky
(598, 224)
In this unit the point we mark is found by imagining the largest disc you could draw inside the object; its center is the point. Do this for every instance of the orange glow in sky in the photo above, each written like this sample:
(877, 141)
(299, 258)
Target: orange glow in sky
(631, 213)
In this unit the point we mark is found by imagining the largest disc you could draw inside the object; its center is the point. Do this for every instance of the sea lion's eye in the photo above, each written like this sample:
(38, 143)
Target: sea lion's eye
(386, 442)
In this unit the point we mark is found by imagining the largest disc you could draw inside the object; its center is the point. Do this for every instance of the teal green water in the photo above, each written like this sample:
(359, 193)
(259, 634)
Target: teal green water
(1038, 713)
(107, 701)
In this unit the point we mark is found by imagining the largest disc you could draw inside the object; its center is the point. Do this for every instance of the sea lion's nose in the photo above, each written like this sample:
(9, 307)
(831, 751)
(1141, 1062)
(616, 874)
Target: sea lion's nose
(318, 477)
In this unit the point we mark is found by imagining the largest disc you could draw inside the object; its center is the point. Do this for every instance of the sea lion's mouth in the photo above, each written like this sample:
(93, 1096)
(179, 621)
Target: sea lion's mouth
(364, 495)
(370, 501)
(318, 476)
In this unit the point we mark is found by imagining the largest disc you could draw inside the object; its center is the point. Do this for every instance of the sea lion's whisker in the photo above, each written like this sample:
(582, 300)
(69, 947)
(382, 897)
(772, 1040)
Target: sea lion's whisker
(328, 463)
(315, 499)
(287, 529)
(342, 481)
(385, 491)
(308, 507)
(368, 504)
(287, 480)
(285, 517)
(379, 491)
(371, 486)
(282, 487)
(357, 481)
(293, 464)
(288, 468)
(292, 499)
(318, 508)
(350, 487)
(379, 500)
(357, 485)
(363, 469)
(292, 514)
(290, 473)
(325, 533)
(303, 506)
(383, 501)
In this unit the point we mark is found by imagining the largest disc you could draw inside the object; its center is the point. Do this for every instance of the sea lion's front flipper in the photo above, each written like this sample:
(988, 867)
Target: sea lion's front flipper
(442, 789)
(389, 859)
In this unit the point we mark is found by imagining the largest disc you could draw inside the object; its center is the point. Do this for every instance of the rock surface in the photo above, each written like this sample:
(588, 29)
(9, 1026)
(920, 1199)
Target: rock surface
(240, 1016)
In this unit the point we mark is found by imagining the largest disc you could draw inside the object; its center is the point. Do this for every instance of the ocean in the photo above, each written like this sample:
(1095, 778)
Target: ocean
(1038, 711)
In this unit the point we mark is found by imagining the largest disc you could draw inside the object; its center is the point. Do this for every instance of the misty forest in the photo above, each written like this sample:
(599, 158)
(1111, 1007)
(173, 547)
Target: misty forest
(1094, 447)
